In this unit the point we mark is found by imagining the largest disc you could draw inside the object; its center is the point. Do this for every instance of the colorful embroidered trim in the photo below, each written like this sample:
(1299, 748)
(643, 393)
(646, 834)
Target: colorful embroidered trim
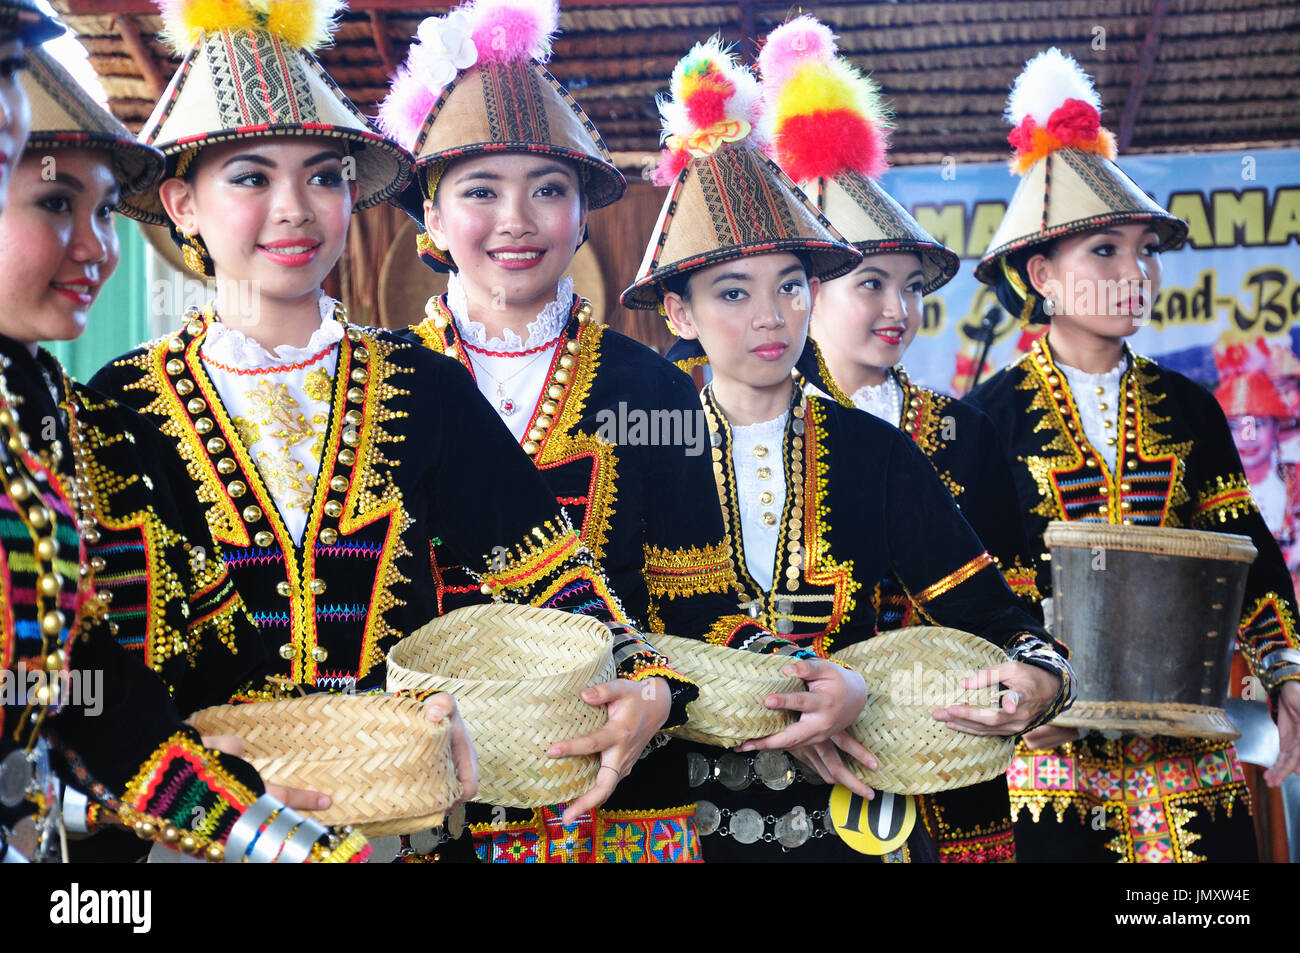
(601, 837)
(1145, 787)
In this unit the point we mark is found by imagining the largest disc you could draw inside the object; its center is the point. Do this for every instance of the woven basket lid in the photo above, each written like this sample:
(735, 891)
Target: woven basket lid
(251, 84)
(516, 673)
(385, 765)
(731, 204)
(28, 22)
(65, 117)
(909, 674)
(733, 684)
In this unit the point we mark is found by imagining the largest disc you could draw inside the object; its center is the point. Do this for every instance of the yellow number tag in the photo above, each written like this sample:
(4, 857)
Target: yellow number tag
(872, 827)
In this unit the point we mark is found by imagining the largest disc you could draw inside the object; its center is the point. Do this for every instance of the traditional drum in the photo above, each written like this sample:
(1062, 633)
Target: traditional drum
(910, 673)
(386, 767)
(733, 684)
(1150, 616)
(516, 673)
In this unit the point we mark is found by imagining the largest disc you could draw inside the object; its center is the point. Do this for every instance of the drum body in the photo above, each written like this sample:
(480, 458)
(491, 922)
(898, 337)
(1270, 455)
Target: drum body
(1150, 617)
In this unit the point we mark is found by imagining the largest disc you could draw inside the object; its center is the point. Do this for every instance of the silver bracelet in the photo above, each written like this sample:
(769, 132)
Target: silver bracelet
(299, 844)
(1277, 665)
(268, 845)
(75, 808)
(245, 829)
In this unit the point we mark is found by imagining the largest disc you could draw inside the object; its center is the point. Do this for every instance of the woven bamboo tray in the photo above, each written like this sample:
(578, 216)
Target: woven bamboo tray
(733, 684)
(516, 673)
(909, 674)
(386, 767)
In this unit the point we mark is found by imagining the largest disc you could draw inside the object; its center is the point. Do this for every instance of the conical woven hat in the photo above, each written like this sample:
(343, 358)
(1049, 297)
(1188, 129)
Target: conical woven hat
(730, 204)
(517, 107)
(25, 20)
(1069, 181)
(1070, 191)
(873, 221)
(830, 134)
(65, 117)
(251, 84)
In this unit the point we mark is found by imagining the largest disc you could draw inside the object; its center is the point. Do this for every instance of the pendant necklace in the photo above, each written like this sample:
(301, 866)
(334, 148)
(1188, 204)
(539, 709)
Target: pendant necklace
(506, 404)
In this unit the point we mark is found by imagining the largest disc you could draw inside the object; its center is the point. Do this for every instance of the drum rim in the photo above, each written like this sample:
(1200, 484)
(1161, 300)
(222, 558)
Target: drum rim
(1154, 540)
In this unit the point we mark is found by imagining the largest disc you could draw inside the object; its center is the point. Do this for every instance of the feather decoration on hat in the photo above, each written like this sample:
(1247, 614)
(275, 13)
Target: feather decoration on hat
(827, 117)
(713, 100)
(305, 24)
(479, 31)
(1053, 104)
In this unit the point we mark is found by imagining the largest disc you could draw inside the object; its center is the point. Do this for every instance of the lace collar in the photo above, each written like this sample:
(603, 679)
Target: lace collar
(548, 325)
(233, 348)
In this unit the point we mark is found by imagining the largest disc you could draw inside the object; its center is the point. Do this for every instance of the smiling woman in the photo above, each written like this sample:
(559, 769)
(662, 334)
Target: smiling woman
(99, 555)
(315, 444)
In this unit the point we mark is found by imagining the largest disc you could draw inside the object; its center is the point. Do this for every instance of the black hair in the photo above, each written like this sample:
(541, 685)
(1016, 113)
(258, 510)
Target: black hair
(1007, 294)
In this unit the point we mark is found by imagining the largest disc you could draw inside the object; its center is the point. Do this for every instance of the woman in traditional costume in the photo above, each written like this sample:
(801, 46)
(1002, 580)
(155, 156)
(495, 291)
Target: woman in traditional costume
(85, 708)
(1103, 435)
(333, 458)
(502, 199)
(819, 501)
(830, 136)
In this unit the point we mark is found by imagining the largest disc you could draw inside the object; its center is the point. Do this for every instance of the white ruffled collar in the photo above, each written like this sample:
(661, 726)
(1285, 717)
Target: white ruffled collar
(233, 348)
(763, 430)
(548, 325)
(1108, 379)
(875, 393)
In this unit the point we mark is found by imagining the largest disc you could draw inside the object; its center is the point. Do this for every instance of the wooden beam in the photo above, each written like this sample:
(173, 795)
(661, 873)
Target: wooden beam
(1146, 66)
(144, 61)
(110, 7)
(748, 33)
(384, 46)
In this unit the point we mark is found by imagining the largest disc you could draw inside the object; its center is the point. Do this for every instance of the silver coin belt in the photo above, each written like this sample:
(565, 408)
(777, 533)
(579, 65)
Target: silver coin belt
(777, 771)
(792, 829)
(385, 850)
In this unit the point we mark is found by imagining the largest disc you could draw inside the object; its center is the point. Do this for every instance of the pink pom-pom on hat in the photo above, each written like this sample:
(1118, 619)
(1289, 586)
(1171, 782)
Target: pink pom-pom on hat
(791, 46)
(510, 30)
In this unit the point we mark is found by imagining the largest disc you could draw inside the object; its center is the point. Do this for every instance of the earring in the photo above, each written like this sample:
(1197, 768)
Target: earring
(196, 256)
(1049, 306)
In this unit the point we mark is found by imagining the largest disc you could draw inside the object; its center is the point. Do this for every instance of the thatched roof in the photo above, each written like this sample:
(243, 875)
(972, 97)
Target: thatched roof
(1174, 74)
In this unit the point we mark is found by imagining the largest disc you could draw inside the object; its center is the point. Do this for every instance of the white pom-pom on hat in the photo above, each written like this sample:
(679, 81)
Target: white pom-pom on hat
(1046, 82)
